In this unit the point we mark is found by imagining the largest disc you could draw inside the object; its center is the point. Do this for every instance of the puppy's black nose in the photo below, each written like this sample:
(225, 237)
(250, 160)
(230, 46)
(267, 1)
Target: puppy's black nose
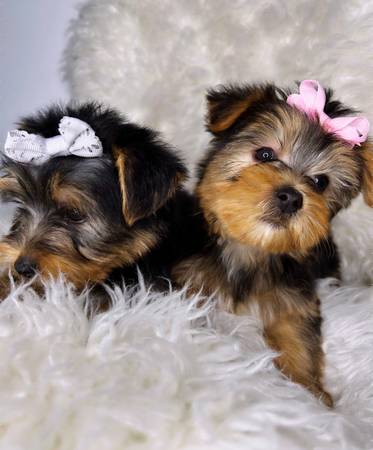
(26, 266)
(289, 200)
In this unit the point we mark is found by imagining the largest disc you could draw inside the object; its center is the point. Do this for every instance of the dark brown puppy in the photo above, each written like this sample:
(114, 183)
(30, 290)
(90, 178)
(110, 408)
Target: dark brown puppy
(86, 217)
(271, 183)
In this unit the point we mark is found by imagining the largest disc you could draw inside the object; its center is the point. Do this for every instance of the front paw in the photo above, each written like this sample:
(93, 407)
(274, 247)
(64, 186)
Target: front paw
(322, 395)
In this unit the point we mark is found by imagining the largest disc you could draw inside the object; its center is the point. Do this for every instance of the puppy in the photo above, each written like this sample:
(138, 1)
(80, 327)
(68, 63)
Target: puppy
(86, 216)
(278, 170)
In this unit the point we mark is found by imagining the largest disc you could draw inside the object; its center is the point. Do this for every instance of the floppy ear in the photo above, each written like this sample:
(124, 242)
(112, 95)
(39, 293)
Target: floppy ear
(367, 178)
(149, 173)
(227, 103)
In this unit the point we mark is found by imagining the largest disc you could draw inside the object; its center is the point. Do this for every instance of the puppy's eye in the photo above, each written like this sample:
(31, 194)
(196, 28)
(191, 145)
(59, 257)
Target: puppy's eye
(73, 215)
(265, 154)
(320, 182)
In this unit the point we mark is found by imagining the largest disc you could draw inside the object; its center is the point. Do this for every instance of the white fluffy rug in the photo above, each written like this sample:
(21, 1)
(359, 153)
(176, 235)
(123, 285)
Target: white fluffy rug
(166, 375)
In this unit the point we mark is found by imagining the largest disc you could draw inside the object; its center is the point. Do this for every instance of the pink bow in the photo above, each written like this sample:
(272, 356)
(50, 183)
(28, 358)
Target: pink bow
(311, 100)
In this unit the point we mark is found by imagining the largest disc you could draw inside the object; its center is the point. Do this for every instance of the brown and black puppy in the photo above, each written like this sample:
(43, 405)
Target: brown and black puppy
(87, 217)
(268, 188)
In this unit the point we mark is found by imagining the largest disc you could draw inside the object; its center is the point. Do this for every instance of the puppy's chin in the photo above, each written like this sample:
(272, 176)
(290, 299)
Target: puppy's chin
(297, 236)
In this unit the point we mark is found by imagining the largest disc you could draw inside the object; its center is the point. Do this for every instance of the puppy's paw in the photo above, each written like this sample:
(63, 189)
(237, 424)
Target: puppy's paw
(322, 395)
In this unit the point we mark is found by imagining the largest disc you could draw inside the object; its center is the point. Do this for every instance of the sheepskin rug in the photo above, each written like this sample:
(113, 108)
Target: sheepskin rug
(154, 371)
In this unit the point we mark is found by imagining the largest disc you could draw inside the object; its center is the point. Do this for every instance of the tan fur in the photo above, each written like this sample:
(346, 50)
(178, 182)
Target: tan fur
(224, 121)
(139, 244)
(285, 316)
(243, 206)
(95, 268)
(301, 357)
(120, 164)
(80, 265)
(228, 119)
(367, 181)
(8, 254)
(69, 196)
(199, 274)
(237, 195)
(79, 272)
(76, 272)
(276, 302)
(9, 184)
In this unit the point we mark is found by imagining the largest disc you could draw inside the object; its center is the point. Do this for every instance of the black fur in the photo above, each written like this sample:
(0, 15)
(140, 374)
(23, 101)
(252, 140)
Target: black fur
(153, 176)
(186, 235)
(150, 163)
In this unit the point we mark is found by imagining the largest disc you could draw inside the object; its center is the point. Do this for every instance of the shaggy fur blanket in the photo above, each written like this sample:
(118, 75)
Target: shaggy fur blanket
(154, 371)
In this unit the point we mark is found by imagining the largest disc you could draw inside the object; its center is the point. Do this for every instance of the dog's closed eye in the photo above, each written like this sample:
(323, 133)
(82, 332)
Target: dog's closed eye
(73, 215)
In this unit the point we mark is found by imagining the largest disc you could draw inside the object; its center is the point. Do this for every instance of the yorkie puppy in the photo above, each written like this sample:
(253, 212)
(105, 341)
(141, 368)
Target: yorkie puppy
(93, 194)
(278, 170)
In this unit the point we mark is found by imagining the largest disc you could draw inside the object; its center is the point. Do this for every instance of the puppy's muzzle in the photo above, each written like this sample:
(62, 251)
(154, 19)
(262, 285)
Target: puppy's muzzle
(288, 200)
(26, 266)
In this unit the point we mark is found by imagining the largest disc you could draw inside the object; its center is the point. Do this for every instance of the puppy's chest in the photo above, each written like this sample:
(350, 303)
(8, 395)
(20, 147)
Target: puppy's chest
(251, 279)
(247, 283)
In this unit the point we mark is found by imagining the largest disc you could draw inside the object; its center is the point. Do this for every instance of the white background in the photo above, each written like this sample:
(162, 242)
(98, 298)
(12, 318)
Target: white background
(32, 39)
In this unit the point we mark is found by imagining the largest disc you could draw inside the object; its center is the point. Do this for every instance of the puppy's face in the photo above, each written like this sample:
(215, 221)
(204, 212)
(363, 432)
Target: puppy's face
(86, 217)
(69, 219)
(273, 178)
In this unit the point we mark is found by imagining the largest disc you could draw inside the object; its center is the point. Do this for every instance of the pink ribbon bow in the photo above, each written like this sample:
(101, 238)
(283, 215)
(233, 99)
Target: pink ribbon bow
(311, 100)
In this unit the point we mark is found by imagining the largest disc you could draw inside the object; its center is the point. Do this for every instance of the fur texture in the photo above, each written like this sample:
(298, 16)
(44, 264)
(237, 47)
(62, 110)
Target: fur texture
(268, 187)
(142, 378)
(88, 217)
(167, 375)
(164, 56)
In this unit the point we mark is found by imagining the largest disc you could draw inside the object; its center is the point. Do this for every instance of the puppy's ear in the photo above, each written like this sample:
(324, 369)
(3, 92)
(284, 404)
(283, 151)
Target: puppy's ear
(227, 103)
(367, 178)
(149, 173)
(334, 108)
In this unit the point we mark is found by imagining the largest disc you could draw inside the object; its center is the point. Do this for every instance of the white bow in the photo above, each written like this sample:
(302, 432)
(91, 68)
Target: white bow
(76, 138)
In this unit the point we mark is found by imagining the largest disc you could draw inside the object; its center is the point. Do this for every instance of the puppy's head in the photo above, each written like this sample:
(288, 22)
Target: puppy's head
(87, 216)
(273, 177)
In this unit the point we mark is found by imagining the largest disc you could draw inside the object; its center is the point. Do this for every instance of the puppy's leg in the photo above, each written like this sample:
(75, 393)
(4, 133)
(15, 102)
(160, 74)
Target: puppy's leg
(8, 254)
(297, 337)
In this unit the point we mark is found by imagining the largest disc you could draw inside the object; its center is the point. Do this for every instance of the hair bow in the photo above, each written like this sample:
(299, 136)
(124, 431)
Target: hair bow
(311, 100)
(75, 138)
